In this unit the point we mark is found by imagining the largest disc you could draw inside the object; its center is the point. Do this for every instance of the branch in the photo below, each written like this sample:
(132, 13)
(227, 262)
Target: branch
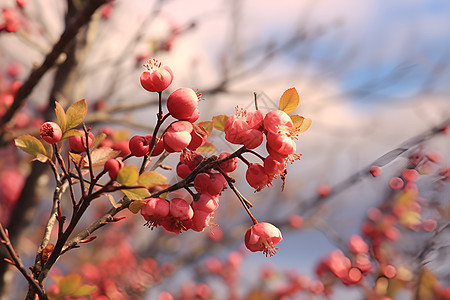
(74, 25)
(19, 265)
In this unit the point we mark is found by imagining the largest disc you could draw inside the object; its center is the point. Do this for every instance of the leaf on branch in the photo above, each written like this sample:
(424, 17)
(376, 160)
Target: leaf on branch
(41, 158)
(61, 115)
(76, 113)
(69, 284)
(219, 122)
(289, 100)
(100, 155)
(84, 290)
(207, 148)
(151, 178)
(301, 124)
(77, 158)
(207, 125)
(71, 132)
(30, 145)
(98, 140)
(128, 175)
(135, 206)
(137, 193)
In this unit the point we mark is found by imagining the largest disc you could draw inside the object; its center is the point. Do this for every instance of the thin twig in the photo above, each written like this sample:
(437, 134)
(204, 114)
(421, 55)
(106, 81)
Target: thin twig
(19, 265)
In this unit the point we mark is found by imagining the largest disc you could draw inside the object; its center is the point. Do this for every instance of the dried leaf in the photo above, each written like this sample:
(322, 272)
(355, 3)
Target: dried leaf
(219, 122)
(207, 148)
(207, 125)
(289, 100)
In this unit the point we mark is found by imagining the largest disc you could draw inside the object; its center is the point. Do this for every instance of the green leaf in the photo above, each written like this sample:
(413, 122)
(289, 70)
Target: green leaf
(301, 124)
(30, 145)
(135, 206)
(151, 178)
(85, 290)
(207, 148)
(128, 175)
(71, 132)
(76, 113)
(69, 284)
(219, 122)
(289, 101)
(61, 115)
(137, 193)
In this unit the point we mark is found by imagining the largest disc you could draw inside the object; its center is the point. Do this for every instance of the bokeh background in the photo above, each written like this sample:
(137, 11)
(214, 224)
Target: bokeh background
(372, 75)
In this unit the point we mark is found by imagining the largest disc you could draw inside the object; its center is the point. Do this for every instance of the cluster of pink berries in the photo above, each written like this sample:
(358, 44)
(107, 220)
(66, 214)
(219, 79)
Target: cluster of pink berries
(249, 128)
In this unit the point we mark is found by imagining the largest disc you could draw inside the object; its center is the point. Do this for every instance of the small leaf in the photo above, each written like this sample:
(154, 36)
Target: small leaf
(135, 206)
(71, 132)
(98, 140)
(207, 125)
(219, 122)
(77, 158)
(69, 284)
(301, 124)
(100, 155)
(111, 199)
(137, 193)
(76, 113)
(85, 290)
(128, 175)
(289, 101)
(151, 178)
(207, 148)
(41, 158)
(61, 115)
(30, 145)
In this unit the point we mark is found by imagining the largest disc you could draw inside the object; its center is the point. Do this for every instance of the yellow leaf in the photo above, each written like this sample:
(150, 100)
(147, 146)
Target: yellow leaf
(85, 290)
(61, 115)
(76, 113)
(128, 175)
(71, 132)
(69, 284)
(151, 178)
(289, 101)
(301, 124)
(137, 193)
(207, 125)
(219, 122)
(30, 145)
(135, 206)
(207, 148)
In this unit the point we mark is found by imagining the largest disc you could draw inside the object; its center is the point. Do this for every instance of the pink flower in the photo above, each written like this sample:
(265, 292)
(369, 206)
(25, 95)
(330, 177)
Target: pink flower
(262, 237)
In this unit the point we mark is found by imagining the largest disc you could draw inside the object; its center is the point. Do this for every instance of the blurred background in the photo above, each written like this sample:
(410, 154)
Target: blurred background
(372, 75)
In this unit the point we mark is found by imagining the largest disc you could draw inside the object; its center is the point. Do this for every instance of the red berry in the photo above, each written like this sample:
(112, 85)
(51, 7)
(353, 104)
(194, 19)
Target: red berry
(396, 183)
(256, 176)
(375, 171)
(182, 103)
(112, 166)
(262, 237)
(139, 145)
(157, 78)
(229, 165)
(50, 132)
(77, 143)
(275, 119)
(178, 136)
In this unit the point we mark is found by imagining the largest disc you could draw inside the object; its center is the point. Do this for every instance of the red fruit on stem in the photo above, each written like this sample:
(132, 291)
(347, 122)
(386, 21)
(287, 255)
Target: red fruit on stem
(182, 103)
(50, 132)
(157, 78)
(78, 143)
(256, 177)
(112, 166)
(262, 237)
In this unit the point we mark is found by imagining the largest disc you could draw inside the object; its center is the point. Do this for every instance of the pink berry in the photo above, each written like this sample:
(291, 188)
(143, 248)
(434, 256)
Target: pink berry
(275, 119)
(200, 220)
(50, 132)
(206, 203)
(396, 183)
(263, 237)
(357, 244)
(274, 167)
(229, 165)
(155, 211)
(281, 143)
(157, 78)
(182, 103)
(178, 136)
(139, 145)
(180, 209)
(256, 177)
(375, 171)
(112, 166)
(183, 170)
(323, 190)
(78, 143)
